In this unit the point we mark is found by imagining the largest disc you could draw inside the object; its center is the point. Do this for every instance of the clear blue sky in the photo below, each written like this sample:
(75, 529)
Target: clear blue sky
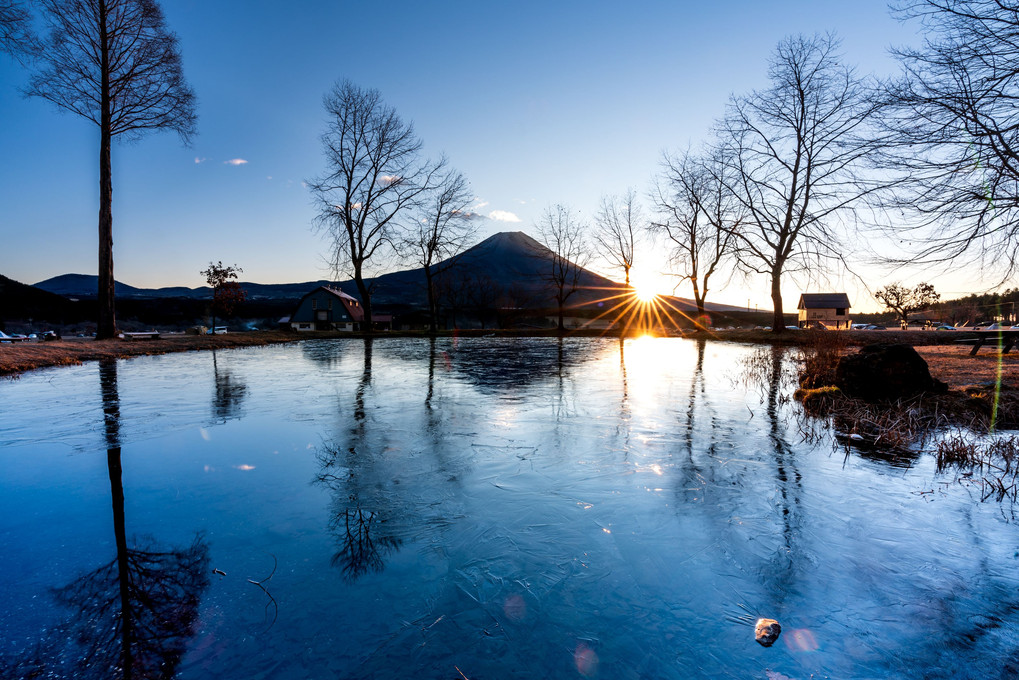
(536, 102)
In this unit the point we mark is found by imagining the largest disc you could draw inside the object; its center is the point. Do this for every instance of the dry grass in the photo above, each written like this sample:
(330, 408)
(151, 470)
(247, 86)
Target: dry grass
(19, 357)
(993, 465)
(953, 365)
(983, 396)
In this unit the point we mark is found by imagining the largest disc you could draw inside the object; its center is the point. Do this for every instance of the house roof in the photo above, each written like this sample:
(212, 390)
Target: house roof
(340, 294)
(353, 307)
(823, 301)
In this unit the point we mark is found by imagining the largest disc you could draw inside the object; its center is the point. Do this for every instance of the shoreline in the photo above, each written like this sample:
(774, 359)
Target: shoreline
(948, 360)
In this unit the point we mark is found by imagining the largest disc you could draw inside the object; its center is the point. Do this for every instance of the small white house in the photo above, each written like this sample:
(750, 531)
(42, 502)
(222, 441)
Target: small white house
(830, 310)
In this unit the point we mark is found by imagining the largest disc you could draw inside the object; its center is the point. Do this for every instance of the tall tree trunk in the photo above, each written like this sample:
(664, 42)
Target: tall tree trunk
(106, 326)
(699, 301)
(562, 326)
(778, 319)
(432, 312)
(366, 302)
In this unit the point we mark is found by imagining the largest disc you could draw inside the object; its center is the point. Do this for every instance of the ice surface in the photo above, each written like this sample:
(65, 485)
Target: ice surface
(499, 508)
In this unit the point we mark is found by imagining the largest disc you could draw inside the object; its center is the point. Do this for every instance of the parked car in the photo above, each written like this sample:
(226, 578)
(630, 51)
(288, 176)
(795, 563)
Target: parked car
(946, 327)
(874, 327)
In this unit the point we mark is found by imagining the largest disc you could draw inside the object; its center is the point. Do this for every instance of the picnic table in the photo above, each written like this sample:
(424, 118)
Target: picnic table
(1006, 338)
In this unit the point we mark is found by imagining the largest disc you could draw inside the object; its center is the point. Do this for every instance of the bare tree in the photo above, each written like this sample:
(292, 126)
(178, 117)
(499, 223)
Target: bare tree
(15, 32)
(902, 300)
(445, 228)
(562, 233)
(453, 292)
(484, 294)
(115, 63)
(617, 230)
(796, 152)
(374, 176)
(699, 214)
(955, 123)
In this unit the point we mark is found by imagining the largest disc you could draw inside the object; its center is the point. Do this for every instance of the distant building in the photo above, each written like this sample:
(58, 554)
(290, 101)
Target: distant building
(327, 309)
(828, 309)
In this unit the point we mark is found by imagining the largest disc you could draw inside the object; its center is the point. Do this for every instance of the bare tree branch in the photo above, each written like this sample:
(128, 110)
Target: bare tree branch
(618, 226)
(699, 214)
(445, 228)
(115, 63)
(795, 155)
(954, 119)
(562, 233)
(374, 176)
(16, 36)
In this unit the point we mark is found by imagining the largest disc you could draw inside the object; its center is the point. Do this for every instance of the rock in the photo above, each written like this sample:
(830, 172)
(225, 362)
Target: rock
(885, 371)
(766, 631)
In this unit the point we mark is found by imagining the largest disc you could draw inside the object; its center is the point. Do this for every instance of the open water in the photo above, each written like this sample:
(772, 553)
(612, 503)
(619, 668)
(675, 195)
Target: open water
(477, 508)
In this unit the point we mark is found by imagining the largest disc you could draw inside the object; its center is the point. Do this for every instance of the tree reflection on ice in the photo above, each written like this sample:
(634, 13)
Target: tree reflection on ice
(360, 552)
(133, 616)
(229, 395)
(360, 518)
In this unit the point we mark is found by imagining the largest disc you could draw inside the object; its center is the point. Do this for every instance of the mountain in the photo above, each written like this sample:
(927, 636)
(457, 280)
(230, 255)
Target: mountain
(21, 301)
(509, 264)
(517, 265)
(82, 285)
(85, 286)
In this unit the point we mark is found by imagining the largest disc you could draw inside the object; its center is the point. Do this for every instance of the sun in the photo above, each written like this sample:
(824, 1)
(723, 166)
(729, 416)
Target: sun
(647, 286)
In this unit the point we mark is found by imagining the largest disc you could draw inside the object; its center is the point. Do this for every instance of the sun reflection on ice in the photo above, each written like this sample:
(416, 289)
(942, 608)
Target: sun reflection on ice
(586, 660)
(801, 640)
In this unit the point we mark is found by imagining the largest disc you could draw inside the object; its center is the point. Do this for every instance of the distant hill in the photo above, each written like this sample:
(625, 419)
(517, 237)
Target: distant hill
(84, 286)
(20, 301)
(506, 262)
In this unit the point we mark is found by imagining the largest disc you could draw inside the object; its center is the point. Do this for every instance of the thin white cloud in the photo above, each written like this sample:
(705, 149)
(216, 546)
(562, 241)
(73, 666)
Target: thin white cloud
(468, 214)
(235, 161)
(200, 160)
(386, 180)
(503, 216)
(478, 206)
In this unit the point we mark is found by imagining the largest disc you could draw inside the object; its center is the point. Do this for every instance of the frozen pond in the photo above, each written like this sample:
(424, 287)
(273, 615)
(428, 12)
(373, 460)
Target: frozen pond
(483, 508)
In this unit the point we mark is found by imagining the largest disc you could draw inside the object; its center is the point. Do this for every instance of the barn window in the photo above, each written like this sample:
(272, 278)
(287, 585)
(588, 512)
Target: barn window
(840, 311)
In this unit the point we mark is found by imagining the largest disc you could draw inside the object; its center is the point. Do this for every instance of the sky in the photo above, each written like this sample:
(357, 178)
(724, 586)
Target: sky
(535, 102)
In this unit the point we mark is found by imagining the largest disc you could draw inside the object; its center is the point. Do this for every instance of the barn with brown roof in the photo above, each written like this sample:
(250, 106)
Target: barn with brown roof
(827, 310)
(327, 309)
